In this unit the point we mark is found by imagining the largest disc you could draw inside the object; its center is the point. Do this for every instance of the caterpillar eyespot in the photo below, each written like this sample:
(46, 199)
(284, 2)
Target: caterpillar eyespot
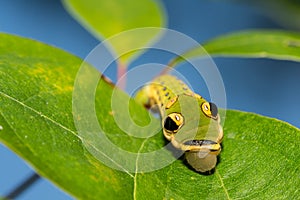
(170, 125)
(173, 122)
(210, 110)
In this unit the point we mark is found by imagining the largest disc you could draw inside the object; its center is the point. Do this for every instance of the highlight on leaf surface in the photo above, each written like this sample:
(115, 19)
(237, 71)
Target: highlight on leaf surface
(273, 44)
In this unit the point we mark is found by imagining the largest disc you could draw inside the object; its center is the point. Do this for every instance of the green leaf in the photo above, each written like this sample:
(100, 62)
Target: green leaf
(273, 44)
(260, 156)
(107, 18)
(36, 118)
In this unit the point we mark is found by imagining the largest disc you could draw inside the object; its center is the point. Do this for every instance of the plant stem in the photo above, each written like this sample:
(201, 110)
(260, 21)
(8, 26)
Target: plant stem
(121, 75)
(23, 186)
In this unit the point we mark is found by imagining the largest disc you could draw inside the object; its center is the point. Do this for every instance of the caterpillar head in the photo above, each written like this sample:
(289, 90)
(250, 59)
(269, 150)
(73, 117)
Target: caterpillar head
(191, 118)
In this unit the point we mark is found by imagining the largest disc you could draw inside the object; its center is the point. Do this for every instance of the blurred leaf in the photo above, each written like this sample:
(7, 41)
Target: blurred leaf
(260, 156)
(273, 44)
(106, 18)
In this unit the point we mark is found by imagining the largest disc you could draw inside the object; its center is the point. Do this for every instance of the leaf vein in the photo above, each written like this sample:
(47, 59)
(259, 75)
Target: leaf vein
(222, 184)
(109, 158)
(40, 114)
(136, 168)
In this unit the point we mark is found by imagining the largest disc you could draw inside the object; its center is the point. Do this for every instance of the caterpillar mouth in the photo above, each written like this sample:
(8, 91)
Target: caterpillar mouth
(199, 142)
(202, 145)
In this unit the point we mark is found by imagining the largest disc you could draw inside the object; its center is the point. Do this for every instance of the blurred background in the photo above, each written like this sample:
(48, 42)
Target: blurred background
(267, 87)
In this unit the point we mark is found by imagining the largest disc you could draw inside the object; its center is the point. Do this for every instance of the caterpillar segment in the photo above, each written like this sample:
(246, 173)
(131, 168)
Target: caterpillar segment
(189, 122)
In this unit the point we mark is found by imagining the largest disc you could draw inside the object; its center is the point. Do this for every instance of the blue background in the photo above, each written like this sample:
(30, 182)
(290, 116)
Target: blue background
(262, 86)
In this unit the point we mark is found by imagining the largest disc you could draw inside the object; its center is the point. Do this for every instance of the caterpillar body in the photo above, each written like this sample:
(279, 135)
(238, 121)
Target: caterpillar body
(189, 122)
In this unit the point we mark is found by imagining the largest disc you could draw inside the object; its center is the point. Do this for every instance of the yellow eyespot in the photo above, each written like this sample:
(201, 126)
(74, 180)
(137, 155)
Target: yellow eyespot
(173, 122)
(210, 110)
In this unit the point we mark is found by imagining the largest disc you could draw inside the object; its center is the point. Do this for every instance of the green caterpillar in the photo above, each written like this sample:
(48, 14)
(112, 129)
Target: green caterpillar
(190, 122)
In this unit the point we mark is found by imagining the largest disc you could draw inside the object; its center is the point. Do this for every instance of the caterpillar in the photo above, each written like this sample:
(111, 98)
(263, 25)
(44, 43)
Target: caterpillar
(189, 122)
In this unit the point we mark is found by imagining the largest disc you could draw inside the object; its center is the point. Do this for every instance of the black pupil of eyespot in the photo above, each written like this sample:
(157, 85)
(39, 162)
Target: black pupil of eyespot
(170, 124)
(213, 109)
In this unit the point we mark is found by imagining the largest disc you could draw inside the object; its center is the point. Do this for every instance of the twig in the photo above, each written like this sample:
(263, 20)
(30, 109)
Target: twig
(22, 186)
